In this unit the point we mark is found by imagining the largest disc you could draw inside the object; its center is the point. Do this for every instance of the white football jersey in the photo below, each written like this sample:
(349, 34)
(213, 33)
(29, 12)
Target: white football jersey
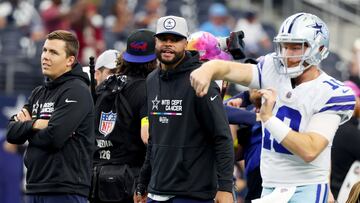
(295, 107)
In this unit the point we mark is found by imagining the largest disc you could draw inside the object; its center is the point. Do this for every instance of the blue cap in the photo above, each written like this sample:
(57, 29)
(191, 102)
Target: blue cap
(218, 9)
(140, 47)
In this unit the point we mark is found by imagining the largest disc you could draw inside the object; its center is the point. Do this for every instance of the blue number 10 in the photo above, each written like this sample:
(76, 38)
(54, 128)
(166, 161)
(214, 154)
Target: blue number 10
(284, 112)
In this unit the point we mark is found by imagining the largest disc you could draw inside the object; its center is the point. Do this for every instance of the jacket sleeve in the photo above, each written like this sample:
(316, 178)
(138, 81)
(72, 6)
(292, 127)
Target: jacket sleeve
(240, 116)
(18, 132)
(70, 109)
(245, 96)
(145, 172)
(211, 112)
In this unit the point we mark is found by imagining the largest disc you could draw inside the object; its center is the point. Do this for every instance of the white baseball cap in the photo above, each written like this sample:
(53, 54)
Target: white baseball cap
(107, 59)
(172, 25)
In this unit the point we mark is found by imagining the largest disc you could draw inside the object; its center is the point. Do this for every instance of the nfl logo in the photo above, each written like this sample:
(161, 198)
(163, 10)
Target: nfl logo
(107, 123)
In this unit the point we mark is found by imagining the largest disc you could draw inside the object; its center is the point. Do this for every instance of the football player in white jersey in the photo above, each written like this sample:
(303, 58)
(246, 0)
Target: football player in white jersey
(301, 111)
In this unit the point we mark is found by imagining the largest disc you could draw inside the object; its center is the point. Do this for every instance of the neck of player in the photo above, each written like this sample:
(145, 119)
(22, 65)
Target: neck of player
(309, 74)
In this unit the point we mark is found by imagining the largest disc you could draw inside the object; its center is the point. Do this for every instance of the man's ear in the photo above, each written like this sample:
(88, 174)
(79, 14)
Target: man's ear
(70, 61)
(186, 43)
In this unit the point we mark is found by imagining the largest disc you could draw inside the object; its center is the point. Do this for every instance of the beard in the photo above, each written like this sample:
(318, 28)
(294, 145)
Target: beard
(177, 56)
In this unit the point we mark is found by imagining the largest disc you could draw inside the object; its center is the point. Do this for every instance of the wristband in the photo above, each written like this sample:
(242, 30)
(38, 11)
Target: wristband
(144, 121)
(277, 128)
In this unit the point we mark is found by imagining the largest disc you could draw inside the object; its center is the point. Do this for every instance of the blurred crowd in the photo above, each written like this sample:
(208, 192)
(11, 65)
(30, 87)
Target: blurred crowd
(106, 24)
(101, 25)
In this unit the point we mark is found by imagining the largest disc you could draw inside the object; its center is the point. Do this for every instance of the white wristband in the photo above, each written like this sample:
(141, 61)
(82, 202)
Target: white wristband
(277, 128)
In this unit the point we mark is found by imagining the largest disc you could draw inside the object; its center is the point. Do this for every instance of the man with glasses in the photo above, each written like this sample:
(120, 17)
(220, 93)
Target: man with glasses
(190, 155)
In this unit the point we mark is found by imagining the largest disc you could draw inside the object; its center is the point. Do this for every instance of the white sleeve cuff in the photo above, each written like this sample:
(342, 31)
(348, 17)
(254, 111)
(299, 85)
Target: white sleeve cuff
(255, 83)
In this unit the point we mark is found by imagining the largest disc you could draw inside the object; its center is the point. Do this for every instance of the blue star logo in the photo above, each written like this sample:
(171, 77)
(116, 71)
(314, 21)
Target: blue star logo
(318, 28)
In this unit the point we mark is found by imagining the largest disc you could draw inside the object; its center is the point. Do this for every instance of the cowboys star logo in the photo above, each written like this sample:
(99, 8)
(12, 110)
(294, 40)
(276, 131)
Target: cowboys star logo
(319, 29)
(155, 103)
(169, 23)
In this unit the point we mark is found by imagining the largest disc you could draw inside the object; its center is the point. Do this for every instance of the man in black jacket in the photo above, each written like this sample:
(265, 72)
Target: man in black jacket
(58, 123)
(121, 122)
(345, 152)
(190, 156)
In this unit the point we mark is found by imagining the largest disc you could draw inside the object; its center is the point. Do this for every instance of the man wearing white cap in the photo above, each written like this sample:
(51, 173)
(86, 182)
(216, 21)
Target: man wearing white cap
(106, 65)
(190, 155)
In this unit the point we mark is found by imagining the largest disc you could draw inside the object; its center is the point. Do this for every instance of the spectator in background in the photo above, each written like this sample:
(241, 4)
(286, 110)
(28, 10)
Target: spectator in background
(58, 123)
(21, 38)
(332, 66)
(118, 25)
(88, 26)
(256, 40)
(55, 16)
(354, 69)
(218, 21)
(24, 16)
(106, 65)
(21, 28)
(146, 18)
(345, 149)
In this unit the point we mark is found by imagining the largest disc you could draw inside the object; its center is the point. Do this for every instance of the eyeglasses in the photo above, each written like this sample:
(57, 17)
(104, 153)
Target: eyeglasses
(169, 37)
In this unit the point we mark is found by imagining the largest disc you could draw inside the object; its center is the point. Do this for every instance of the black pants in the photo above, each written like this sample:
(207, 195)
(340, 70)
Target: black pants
(55, 198)
(254, 182)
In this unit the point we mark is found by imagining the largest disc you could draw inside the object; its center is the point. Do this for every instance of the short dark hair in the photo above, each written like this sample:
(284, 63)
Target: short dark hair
(71, 42)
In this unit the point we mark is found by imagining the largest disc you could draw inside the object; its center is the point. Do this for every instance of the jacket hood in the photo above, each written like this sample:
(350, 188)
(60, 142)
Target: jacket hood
(189, 62)
(75, 72)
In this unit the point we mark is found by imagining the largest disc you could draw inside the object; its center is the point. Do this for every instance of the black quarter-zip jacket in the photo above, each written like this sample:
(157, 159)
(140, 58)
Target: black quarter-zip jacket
(190, 152)
(58, 158)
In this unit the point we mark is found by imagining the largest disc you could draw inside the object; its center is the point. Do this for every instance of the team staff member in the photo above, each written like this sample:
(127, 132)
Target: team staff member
(190, 153)
(105, 65)
(120, 136)
(57, 121)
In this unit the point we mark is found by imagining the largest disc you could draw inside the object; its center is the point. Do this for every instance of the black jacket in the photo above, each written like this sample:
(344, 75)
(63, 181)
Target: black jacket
(190, 152)
(344, 151)
(119, 108)
(58, 158)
